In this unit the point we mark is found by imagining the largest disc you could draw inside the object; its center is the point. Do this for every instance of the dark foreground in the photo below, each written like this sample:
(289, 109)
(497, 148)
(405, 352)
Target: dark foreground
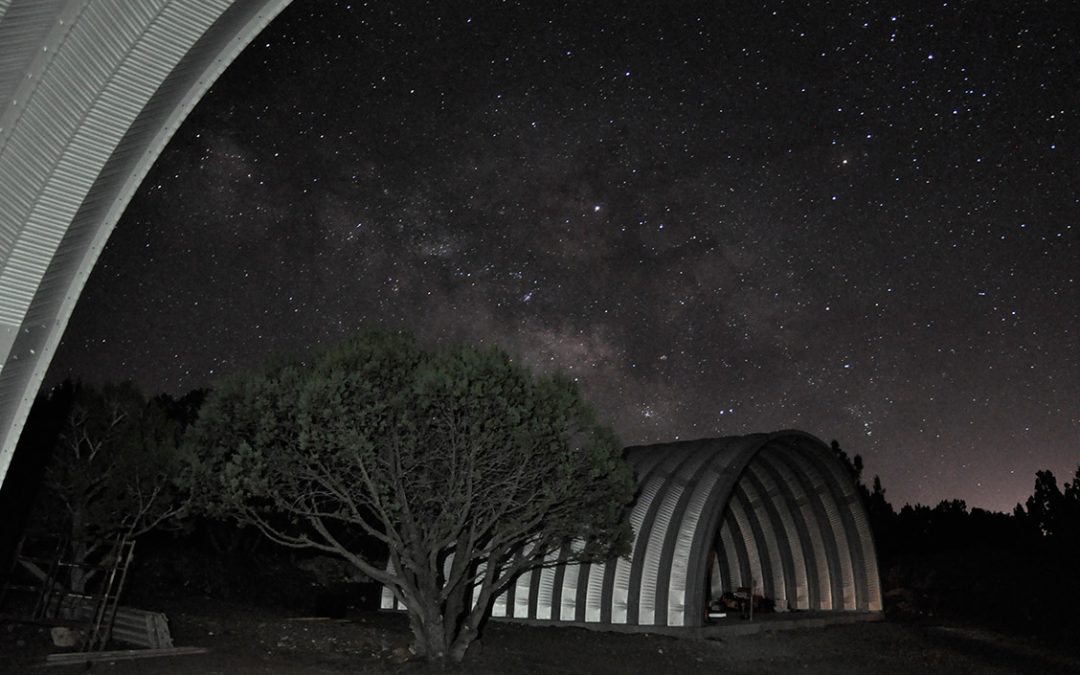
(243, 639)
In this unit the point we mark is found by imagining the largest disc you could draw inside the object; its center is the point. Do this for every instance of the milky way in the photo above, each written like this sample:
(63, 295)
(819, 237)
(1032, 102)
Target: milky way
(722, 218)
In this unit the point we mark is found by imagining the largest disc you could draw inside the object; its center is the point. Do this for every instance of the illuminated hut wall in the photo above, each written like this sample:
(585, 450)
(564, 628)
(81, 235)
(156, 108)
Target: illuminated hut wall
(776, 510)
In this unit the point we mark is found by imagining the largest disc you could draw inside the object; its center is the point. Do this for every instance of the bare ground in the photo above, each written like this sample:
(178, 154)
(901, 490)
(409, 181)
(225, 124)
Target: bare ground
(243, 639)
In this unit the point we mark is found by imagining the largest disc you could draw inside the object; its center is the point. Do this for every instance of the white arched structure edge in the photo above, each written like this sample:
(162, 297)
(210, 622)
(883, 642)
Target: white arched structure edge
(90, 93)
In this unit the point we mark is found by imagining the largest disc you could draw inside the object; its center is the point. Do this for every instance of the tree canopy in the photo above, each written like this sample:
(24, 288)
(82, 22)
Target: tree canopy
(465, 466)
(112, 468)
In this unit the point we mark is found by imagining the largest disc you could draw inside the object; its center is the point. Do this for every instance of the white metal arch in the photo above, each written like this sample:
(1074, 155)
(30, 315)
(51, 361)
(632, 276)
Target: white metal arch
(90, 93)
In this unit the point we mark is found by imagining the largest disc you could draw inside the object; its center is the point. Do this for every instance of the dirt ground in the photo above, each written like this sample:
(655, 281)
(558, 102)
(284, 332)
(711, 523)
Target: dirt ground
(242, 639)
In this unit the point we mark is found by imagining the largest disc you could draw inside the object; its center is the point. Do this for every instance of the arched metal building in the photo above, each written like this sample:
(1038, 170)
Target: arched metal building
(777, 511)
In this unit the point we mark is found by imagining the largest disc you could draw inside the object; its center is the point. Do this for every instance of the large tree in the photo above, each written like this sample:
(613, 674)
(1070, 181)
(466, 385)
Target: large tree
(111, 472)
(465, 466)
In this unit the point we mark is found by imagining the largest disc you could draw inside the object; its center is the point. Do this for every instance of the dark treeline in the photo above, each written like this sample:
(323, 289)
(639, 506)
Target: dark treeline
(88, 458)
(1014, 570)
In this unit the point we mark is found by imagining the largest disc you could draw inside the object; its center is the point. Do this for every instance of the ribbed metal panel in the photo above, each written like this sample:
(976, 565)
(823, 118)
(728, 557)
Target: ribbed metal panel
(732, 454)
(667, 498)
(522, 588)
(766, 522)
(24, 25)
(805, 558)
(686, 530)
(545, 590)
(568, 591)
(594, 592)
(822, 488)
(814, 518)
(792, 559)
(651, 470)
(868, 553)
(746, 540)
(699, 476)
(729, 556)
(822, 533)
(858, 537)
(91, 92)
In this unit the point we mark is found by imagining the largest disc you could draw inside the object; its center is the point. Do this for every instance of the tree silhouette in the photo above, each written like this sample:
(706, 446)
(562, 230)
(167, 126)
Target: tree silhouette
(466, 467)
(111, 471)
(1045, 507)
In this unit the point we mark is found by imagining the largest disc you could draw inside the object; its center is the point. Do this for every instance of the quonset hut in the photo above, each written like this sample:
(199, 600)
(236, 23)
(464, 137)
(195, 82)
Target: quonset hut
(775, 511)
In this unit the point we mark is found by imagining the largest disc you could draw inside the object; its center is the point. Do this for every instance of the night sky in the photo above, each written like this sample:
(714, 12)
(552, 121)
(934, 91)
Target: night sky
(858, 220)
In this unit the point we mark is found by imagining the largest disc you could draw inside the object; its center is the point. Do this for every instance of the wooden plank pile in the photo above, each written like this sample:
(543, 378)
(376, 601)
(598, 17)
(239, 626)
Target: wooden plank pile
(137, 627)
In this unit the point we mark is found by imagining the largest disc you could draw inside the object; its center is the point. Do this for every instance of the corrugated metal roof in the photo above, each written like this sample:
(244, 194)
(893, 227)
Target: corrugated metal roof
(90, 93)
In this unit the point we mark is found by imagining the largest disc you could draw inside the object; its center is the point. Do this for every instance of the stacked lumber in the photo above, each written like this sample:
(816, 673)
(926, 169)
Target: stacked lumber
(141, 628)
(138, 627)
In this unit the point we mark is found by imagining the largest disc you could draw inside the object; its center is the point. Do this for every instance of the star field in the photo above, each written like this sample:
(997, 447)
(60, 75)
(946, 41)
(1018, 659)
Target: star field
(860, 220)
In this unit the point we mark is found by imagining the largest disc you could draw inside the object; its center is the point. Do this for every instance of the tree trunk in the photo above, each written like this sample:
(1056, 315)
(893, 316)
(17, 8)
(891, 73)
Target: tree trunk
(471, 617)
(439, 637)
(459, 617)
(466, 638)
(429, 633)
